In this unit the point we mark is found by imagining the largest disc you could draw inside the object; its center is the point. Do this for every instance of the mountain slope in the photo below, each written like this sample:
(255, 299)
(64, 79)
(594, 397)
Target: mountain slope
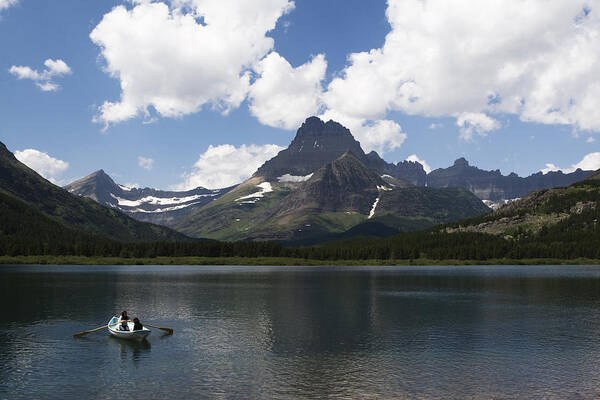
(337, 197)
(69, 210)
(541, 210)
(147, 205)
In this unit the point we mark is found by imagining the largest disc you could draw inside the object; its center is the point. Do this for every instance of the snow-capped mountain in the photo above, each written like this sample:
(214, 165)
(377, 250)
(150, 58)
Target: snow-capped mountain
(144, 204)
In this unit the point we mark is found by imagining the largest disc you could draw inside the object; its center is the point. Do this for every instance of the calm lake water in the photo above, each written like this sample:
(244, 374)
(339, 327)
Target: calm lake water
(293, 332)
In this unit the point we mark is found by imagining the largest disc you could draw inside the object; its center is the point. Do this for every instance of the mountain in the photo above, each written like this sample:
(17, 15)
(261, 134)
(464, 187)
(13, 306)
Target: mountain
(335, 198)
(562, 209)
(560, 223)
(318, 143)
(24, 188)
(495, 188)
(148, 205)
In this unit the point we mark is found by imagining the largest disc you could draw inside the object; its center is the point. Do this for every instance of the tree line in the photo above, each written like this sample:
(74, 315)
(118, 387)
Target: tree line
(574, 237)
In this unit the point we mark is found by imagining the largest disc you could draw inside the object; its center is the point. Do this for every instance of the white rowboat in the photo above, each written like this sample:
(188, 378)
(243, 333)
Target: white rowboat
(114, 326)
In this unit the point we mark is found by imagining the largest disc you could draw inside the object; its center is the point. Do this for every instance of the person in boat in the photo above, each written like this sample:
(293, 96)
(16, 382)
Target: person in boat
(124, 319)
(137, 325)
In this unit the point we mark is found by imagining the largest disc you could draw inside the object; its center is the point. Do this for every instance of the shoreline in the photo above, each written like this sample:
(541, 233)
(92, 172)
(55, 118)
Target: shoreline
(276, 261)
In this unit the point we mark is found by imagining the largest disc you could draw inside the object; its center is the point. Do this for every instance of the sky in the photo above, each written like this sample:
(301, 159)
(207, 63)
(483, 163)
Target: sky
(184, 93)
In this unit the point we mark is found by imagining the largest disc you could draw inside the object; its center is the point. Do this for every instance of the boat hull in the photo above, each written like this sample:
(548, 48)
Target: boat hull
(113, 329)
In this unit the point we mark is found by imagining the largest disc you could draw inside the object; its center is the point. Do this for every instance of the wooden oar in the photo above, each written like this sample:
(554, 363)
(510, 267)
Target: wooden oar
(80, 334)
(161, 328)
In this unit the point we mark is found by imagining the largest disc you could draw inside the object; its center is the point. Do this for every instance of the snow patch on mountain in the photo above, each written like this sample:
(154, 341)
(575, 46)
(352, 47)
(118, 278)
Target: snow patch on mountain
(494, 205)
(166, 209)
(160, 201)
(372, 213)
(287, 178)
(264, 187)
(384, 188)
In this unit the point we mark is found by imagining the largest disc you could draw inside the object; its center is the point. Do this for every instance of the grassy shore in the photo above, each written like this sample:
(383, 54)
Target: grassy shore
(79, 260)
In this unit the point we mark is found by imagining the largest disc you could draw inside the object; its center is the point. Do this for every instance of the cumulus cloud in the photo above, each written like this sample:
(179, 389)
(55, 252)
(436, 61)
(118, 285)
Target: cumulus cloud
(146, 163)
(380, 135)
(226, 165)
(590, 162)
(472, 123)
(43, 79)
(283, 96)
(465, 59)
(4, 4)
(538, 60)
(49, 167)
(181, 57)
(415, 158)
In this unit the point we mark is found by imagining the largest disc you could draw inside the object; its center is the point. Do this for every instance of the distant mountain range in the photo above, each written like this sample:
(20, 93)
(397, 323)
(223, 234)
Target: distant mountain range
(148, 205)
(320, 187)
(497, 189)
(31, 207)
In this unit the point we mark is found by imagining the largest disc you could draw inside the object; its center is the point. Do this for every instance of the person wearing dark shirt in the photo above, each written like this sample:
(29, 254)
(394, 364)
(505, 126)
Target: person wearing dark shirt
(137, 325)
(124, 319)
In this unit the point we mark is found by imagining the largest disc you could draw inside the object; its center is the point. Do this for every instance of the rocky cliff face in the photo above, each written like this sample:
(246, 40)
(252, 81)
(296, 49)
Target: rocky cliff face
(344, 185)
(495, 187)
(316, 144)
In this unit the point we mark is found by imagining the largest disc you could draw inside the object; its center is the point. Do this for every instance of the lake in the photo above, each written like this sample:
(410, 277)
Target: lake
(303, 332)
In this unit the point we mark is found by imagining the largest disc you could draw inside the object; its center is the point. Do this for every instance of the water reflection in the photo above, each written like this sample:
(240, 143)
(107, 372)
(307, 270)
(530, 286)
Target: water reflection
(304, 332)
(131, 349)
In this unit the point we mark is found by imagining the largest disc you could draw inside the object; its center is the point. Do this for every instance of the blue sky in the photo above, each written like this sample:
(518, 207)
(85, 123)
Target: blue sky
(429, 85)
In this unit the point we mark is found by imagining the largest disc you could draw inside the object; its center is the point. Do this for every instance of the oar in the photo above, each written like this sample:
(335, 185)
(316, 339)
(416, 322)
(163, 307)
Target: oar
(80, 334)
(161, 328)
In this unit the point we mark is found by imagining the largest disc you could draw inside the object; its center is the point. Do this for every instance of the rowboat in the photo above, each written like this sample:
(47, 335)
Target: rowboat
(113, 328)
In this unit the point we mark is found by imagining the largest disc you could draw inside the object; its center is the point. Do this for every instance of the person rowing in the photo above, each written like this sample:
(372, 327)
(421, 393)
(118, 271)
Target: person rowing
(124, 319)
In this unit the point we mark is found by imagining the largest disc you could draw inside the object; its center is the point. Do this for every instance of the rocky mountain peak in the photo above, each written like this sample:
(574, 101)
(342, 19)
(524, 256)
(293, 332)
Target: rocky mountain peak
(97, 185)
(461, 162)
(316, 143)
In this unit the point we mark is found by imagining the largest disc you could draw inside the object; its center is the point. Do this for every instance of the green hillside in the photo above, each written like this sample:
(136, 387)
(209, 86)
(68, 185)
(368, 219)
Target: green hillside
(73, 212)
(560, 223)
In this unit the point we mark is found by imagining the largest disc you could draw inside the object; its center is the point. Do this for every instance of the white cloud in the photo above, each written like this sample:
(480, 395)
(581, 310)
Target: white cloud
(43, 79)
(227, 165)
(435, 126)
(178, 59)
(4, 4)
(49, 167)
(536, 59)
(590, 140)
(414, 157)
(284, 96)
(472, 123)
(590, 162)
(146, 163)
(380, 135)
